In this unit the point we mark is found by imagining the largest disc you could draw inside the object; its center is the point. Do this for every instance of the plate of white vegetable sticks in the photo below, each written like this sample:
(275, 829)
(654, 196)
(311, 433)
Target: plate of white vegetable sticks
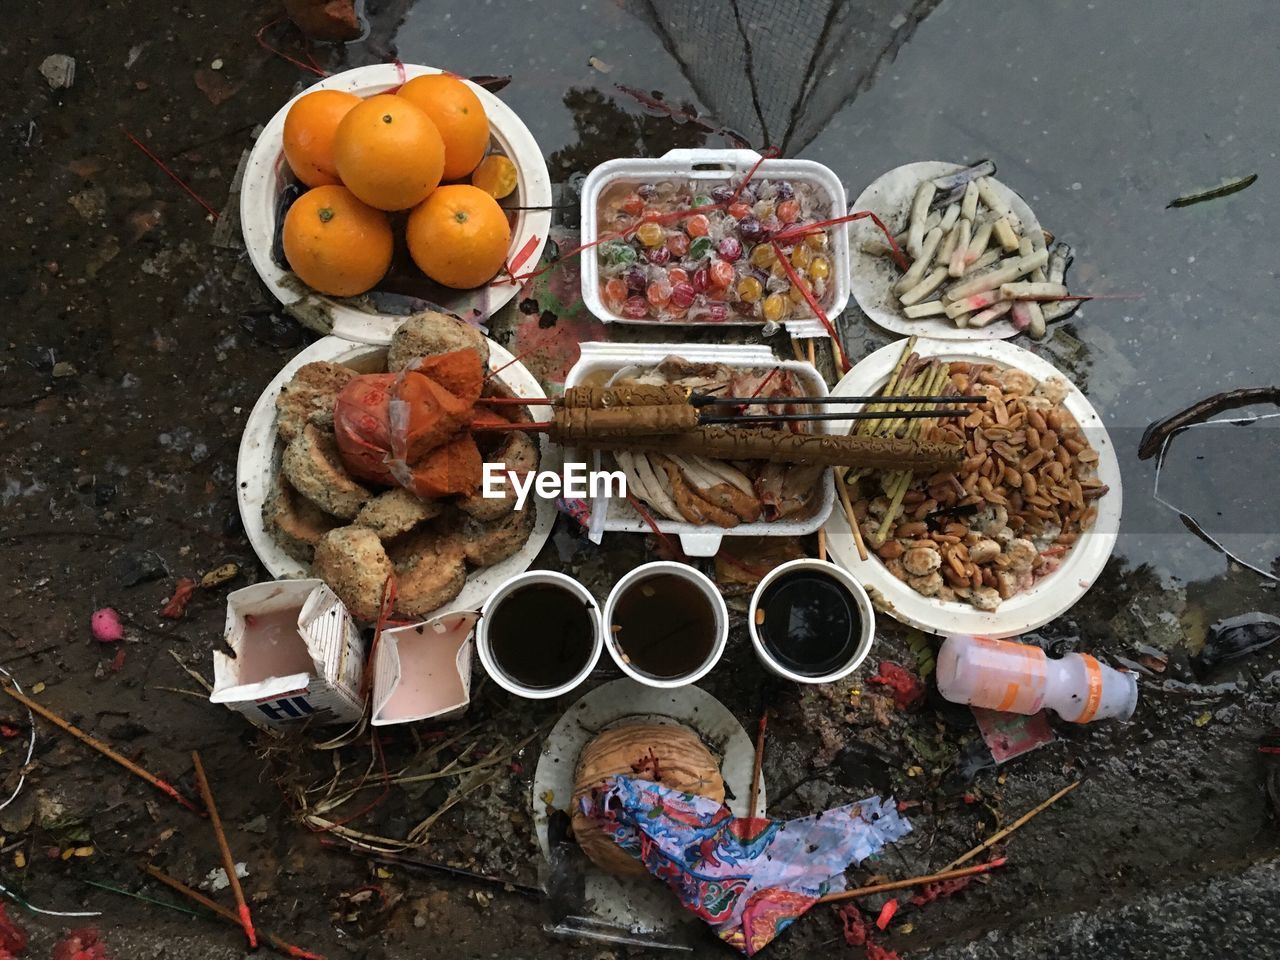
(978, 264)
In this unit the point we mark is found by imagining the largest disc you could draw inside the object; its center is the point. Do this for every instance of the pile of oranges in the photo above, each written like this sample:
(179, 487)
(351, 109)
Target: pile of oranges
(364, 159)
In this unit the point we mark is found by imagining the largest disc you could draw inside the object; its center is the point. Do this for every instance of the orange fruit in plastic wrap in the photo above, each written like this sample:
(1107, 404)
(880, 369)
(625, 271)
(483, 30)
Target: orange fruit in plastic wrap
(336, 244)
(459, 236)
(389, 153)
(309, 128)
(496, 176)
(459, 116)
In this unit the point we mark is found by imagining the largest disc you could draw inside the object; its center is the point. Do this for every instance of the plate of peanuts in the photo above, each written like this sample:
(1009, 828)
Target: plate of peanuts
(1016, 535)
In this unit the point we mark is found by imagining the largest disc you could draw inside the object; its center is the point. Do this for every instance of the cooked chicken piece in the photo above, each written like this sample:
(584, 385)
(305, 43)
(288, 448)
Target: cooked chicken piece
(786, 488)
(394, 512)
(691, 506)
(712, 487)
(429, 572)
(430, 332)
(352, 561)
(519, 452)
(312, 390)
(295, 522)
(485, 544)
(311, 463)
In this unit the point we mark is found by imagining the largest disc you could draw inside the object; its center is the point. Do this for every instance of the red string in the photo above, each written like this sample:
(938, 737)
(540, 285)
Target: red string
(172, 176)
(653, 525)
(281, 54)
(813, 304)
(795, 233)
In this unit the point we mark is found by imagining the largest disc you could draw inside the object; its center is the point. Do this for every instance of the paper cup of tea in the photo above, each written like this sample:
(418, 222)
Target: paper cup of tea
(811, 621)
(666, 624)
(539, 634)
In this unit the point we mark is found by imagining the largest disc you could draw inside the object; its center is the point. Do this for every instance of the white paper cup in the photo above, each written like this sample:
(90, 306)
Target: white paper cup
(704, 585)
(485, 649)
(865, 612)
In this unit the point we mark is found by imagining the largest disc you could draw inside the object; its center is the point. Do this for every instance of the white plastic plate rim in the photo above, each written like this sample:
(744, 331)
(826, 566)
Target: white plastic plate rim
(1051, 596)
(638, 903)
(872, 279)
(696, 540)
(264, 178)
(685, 163)
(259, 461)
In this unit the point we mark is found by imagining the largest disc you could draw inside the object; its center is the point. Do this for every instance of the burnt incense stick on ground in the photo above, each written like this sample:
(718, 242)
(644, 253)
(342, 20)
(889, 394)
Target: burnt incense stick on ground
(270, 939)
(912, 882)
(228, 861)
(1001, 834)
(67, 727)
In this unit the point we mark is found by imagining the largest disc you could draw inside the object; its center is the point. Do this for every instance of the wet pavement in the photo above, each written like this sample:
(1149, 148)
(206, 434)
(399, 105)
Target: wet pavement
(137, 338)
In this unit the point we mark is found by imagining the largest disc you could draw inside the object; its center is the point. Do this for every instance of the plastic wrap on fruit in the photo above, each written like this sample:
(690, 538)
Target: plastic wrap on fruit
(362, 427)
(433, 400)
(452, 468)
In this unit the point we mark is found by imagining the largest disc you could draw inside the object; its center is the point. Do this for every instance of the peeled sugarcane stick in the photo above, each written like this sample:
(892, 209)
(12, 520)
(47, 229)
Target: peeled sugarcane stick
(949, 217)
(930, 308)
(978, 244)
(958, 265)
(919, 212)
(1031, 290)
(993, 312)
(948, 247)
(969, 205)
(1056, 272)
(1028, 314)
(924, 257)
(1005, 235)
(1008, 271)
(924, 288)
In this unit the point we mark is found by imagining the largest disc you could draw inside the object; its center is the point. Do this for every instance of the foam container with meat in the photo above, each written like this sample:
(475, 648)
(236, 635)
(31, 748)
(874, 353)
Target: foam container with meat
(598, 361)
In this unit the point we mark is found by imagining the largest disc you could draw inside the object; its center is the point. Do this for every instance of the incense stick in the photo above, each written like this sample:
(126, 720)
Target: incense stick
(913, 882)
(228, 861)
(270, 939)
(1001, 834)
(102, 748)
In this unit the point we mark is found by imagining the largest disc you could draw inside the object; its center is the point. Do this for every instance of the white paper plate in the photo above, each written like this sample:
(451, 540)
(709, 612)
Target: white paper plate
(1050, 597)
(259, 462)
(642, 904)
(266, 173)
(889, 198)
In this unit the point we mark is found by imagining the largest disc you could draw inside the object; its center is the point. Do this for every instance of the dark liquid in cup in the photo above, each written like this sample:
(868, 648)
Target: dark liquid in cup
(541, 635)
(811, 623)
(665, 626)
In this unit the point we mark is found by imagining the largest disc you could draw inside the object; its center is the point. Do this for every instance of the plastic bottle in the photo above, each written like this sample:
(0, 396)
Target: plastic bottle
(1017, 678)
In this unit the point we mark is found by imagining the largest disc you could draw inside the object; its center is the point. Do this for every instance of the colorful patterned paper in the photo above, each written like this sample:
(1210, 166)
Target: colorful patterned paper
(748, 877)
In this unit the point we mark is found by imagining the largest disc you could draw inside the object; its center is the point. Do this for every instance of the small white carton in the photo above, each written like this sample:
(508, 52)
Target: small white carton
(298, 656)
(423, 671)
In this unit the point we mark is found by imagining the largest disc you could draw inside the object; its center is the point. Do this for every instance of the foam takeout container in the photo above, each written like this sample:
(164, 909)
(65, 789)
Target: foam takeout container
(697, 540)
(266, 174)
(713, 166)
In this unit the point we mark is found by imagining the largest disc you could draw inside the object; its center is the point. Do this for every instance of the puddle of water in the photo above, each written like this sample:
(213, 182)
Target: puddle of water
(1098, 114)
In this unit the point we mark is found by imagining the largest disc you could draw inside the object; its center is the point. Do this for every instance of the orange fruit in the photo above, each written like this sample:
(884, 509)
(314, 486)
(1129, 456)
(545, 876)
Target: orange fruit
(459, 116)
(458, 236)
(336, 244)
(496, 176)
(389, 153)
(309, 127)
